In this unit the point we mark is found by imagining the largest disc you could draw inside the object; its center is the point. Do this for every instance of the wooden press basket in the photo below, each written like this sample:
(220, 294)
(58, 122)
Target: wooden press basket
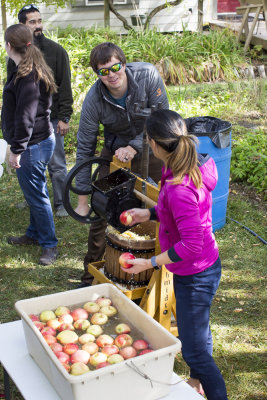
(117, 244)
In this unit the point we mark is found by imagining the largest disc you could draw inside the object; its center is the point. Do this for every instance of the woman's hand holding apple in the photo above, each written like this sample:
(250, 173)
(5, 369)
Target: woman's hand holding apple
(138, 265)
(138, 215)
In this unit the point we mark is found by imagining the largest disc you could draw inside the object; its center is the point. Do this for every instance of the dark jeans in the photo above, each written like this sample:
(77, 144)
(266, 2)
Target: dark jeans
(32, 180)
(96, 238)
(194, 294)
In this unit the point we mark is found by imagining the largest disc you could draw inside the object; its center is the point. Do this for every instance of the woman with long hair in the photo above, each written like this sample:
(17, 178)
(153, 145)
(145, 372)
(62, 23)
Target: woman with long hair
(188, 246)
(26, 127)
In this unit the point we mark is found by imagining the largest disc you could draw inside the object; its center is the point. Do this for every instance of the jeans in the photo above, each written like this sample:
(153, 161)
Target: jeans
(194, 294)
(57, 167)
(32, 179)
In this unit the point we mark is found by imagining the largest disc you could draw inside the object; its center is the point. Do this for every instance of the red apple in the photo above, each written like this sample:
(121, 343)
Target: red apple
(108, 310)
(122, 328)
(115, 358)
(47, 330)
(140, 344)
(126, 218)
(66, 327)
(56, 347)
(128, 352)
(50, 339)
(70, 348)
(145, 351)
(79, 368)
(53, 323)
(97, 358)
(99, 319)
(104, 340)
(102, 365)
(79, 313)
(95, 330)
(91, 307)
(86, 337)
(34, 317)
(80, 356)
(110, 349)
(123, 340)
(65, 319)
(66, 366)
(61, 310)
(81, 324)
(123, 260)
(63, 357)
(90, 347)
(103, 301)
(39, 325)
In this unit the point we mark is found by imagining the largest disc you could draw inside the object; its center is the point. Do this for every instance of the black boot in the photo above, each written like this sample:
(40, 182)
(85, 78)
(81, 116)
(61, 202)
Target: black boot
(22, 240)
(48, 256)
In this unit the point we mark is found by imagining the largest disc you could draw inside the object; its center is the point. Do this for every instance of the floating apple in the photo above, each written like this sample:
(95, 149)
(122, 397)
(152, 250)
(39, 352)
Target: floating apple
(61, 310)
(50, 339)
(123, 340)
(123, 260)
(91, 307)
(126, 218)
(46, 315)
(97, 358)
(102, 365)
(103, 301)
(115, 358)
(56, 347)
(86, 337)
(63, 357)
(79, 313)
(145, 351)
(140, 344)
(65, 319)
(99, 319)
(53, 323)
(104, 340)
(66, 366)
(108, 310)
(95, 330)
(90, 347)
(122, 328)
(80, 356)
(81, 324)
(67, 336)
(128, 352)
(47, 330)
(70, 348)
(110, 349)
(39, 325)
(66, 327)
(34, 317)
(79, 369)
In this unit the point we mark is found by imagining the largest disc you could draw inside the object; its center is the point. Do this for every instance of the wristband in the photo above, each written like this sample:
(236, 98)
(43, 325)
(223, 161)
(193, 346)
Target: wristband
(154, 263)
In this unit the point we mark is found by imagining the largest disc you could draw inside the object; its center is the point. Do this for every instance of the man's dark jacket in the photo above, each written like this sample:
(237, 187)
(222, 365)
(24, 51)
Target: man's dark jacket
(57, 59)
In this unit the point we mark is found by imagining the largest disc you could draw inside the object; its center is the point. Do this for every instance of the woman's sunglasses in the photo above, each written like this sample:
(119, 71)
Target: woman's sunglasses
(105, 71)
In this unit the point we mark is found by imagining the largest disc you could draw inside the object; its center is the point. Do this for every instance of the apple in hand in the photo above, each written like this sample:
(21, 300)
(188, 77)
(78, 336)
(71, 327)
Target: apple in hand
(126, 218)
(123, 260)
(79, 368)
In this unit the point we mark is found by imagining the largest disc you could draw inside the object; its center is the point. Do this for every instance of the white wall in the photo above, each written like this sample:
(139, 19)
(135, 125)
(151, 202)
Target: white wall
(168, 20)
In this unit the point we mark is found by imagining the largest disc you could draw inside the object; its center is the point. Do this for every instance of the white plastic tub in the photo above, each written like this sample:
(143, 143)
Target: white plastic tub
(116, 382)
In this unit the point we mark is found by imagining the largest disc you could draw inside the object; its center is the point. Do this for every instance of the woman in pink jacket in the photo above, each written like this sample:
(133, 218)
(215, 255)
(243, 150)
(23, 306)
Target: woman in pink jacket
(188, 246)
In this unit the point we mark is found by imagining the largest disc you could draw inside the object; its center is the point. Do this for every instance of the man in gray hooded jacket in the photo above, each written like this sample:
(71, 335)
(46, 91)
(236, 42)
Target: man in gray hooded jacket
(111, 102)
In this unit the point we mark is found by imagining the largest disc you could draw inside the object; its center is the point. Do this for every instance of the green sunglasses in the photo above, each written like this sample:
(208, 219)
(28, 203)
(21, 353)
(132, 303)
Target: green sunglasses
(105, 71)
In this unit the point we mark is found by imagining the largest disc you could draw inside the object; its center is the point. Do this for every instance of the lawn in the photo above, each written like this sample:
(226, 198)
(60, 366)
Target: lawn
(238, 311)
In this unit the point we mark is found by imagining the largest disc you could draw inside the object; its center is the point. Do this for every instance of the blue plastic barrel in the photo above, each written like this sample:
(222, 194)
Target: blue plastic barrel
(215, 137)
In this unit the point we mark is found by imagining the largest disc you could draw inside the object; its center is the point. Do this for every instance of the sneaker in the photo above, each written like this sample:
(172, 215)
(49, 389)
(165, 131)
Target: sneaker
(22, 240)
(48, 256)
(22, 205)
(61, 212)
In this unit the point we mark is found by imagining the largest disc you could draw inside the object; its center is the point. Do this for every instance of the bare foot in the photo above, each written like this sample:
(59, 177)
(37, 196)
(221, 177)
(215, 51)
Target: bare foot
(195, 384)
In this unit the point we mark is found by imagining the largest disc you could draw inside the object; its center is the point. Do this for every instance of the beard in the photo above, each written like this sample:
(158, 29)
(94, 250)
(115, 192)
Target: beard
(38, 40)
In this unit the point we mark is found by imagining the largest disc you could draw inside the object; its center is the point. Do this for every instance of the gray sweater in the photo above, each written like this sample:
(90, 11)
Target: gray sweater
(122, 127)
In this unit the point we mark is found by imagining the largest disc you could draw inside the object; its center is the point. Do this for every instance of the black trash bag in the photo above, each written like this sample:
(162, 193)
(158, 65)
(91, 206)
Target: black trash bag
(216, 129)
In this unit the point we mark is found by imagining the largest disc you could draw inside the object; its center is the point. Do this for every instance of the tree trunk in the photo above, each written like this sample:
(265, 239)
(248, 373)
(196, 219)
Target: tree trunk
(3, 12)
(158, 9)
(106, 14)
(119, 16)
(200, 16)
